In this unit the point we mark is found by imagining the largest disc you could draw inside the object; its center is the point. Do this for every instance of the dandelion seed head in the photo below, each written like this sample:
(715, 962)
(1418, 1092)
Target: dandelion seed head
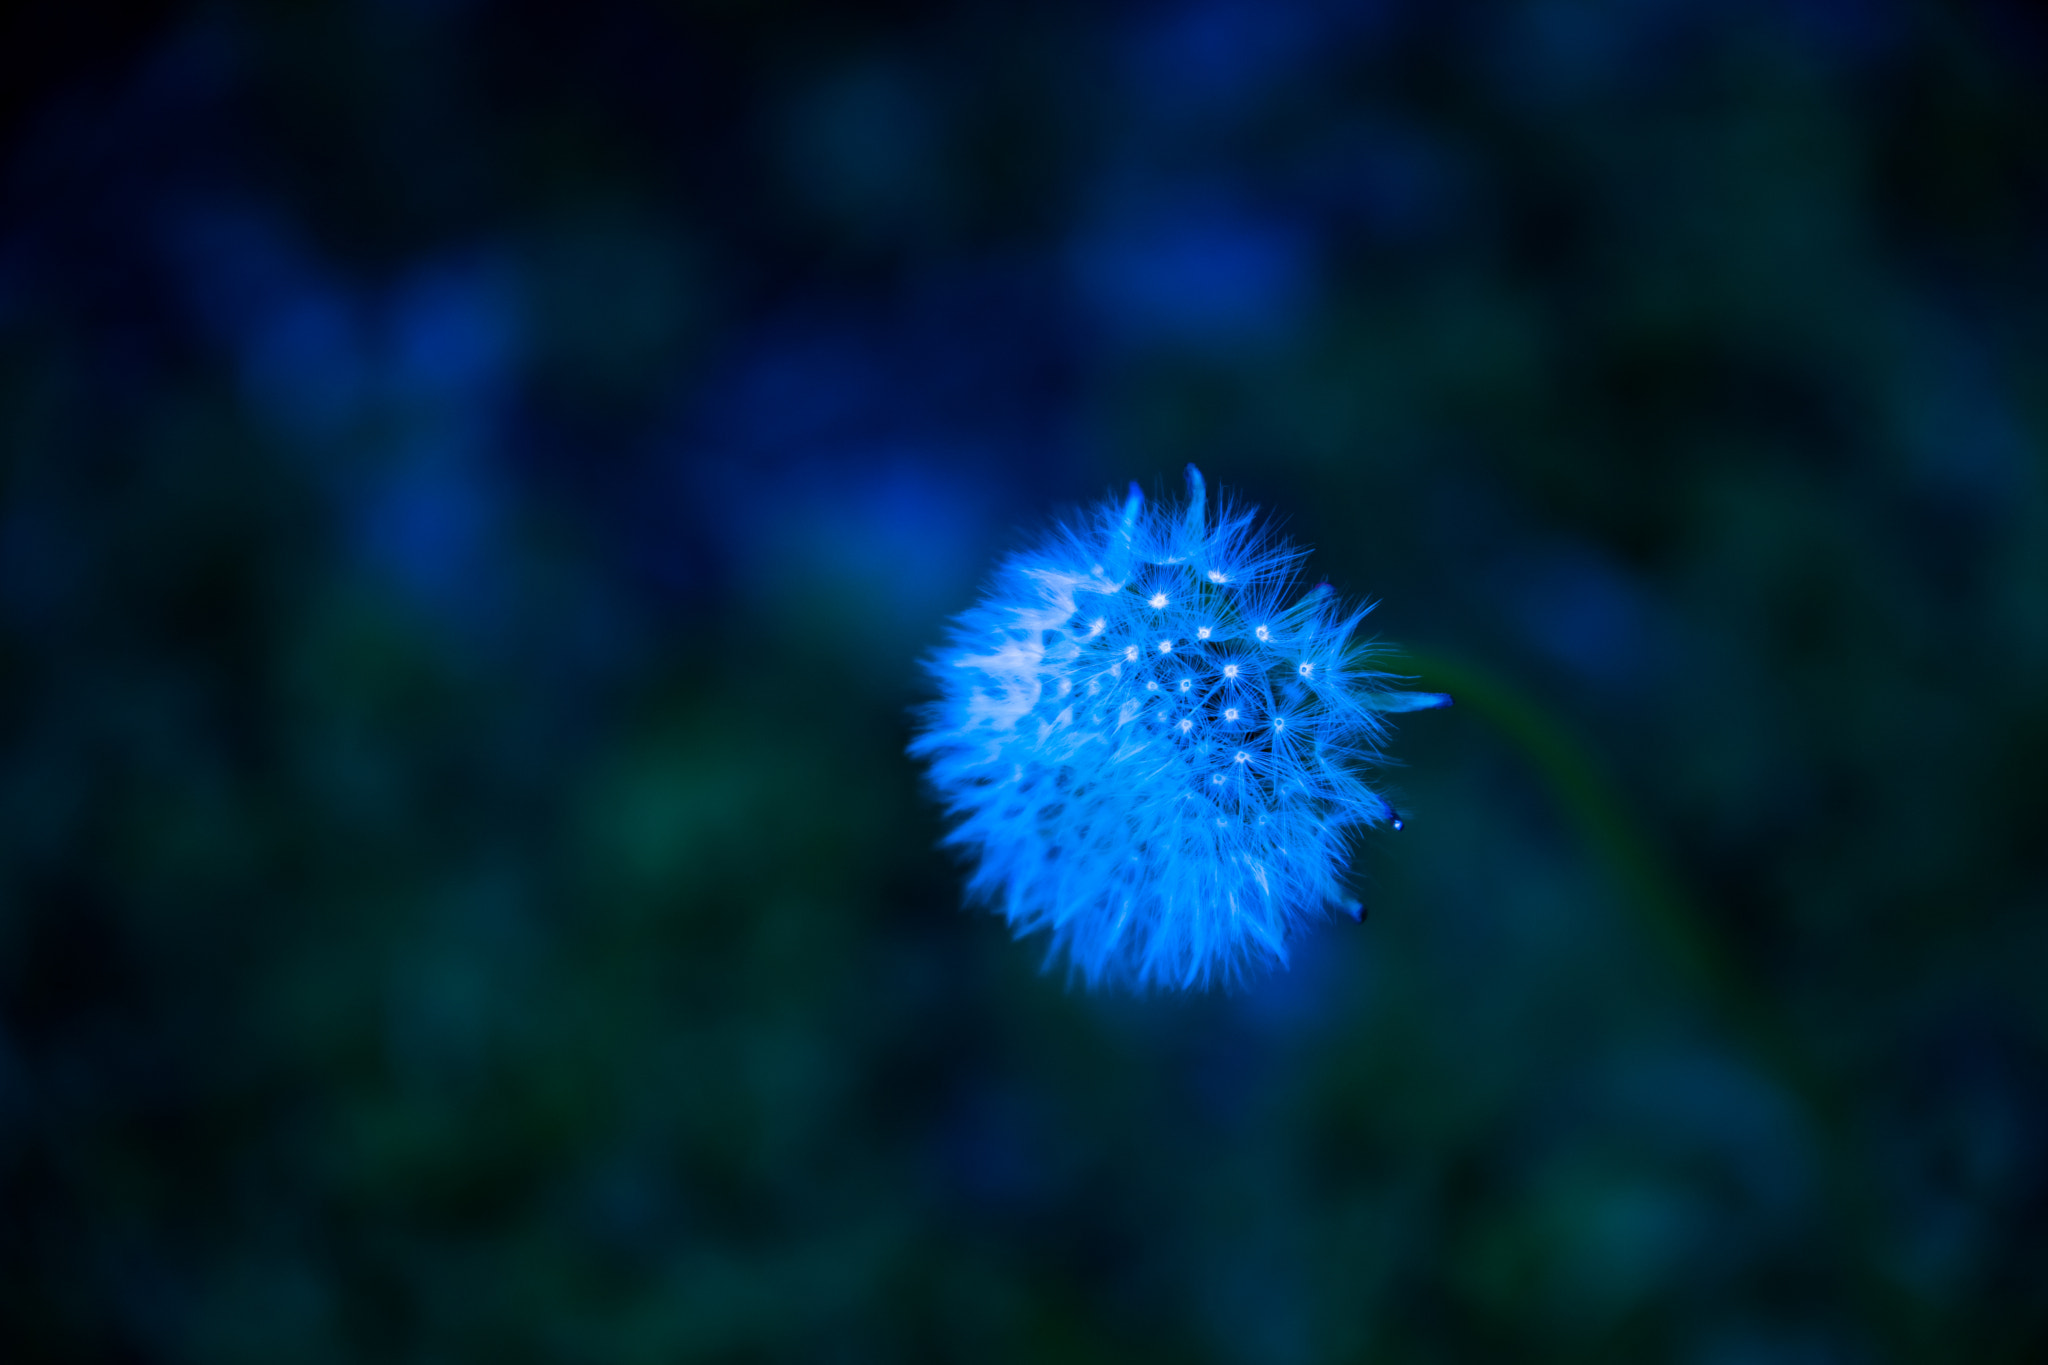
(1109, 825)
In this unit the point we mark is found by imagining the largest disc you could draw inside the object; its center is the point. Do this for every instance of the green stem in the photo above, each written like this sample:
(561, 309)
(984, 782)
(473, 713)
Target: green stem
(1683, 930)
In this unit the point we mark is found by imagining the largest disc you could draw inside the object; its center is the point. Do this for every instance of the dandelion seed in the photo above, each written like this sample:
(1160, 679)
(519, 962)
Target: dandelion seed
(1091, 828)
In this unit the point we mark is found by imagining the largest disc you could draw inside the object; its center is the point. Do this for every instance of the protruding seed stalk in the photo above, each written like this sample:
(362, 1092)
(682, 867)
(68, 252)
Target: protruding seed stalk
(1124, 548)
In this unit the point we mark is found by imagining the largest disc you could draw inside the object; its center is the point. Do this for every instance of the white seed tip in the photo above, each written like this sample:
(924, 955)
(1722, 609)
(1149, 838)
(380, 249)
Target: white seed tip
(1157, 599)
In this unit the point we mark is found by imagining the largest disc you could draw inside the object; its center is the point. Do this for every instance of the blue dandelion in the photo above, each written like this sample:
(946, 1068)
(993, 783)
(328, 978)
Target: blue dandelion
(1152, 743)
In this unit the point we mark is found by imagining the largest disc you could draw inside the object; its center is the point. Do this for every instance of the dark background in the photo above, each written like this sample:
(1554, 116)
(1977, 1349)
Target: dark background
(478, 479)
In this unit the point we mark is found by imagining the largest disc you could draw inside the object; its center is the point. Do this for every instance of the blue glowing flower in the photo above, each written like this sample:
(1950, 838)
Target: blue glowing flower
(1152, 744)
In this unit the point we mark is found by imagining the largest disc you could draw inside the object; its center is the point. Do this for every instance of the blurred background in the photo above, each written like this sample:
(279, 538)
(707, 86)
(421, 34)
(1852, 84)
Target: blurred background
(478, 481)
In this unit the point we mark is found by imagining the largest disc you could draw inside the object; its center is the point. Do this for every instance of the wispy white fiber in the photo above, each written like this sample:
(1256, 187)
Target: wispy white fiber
(1153, 742)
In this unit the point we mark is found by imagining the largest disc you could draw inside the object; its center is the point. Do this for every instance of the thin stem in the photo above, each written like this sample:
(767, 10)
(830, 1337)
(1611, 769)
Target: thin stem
(1688, 936)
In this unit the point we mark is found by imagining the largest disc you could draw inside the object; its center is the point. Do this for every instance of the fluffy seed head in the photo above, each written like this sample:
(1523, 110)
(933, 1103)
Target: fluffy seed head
(1153, 744)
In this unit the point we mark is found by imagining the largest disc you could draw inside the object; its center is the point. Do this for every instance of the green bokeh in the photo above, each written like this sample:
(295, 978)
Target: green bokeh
(515, 934)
